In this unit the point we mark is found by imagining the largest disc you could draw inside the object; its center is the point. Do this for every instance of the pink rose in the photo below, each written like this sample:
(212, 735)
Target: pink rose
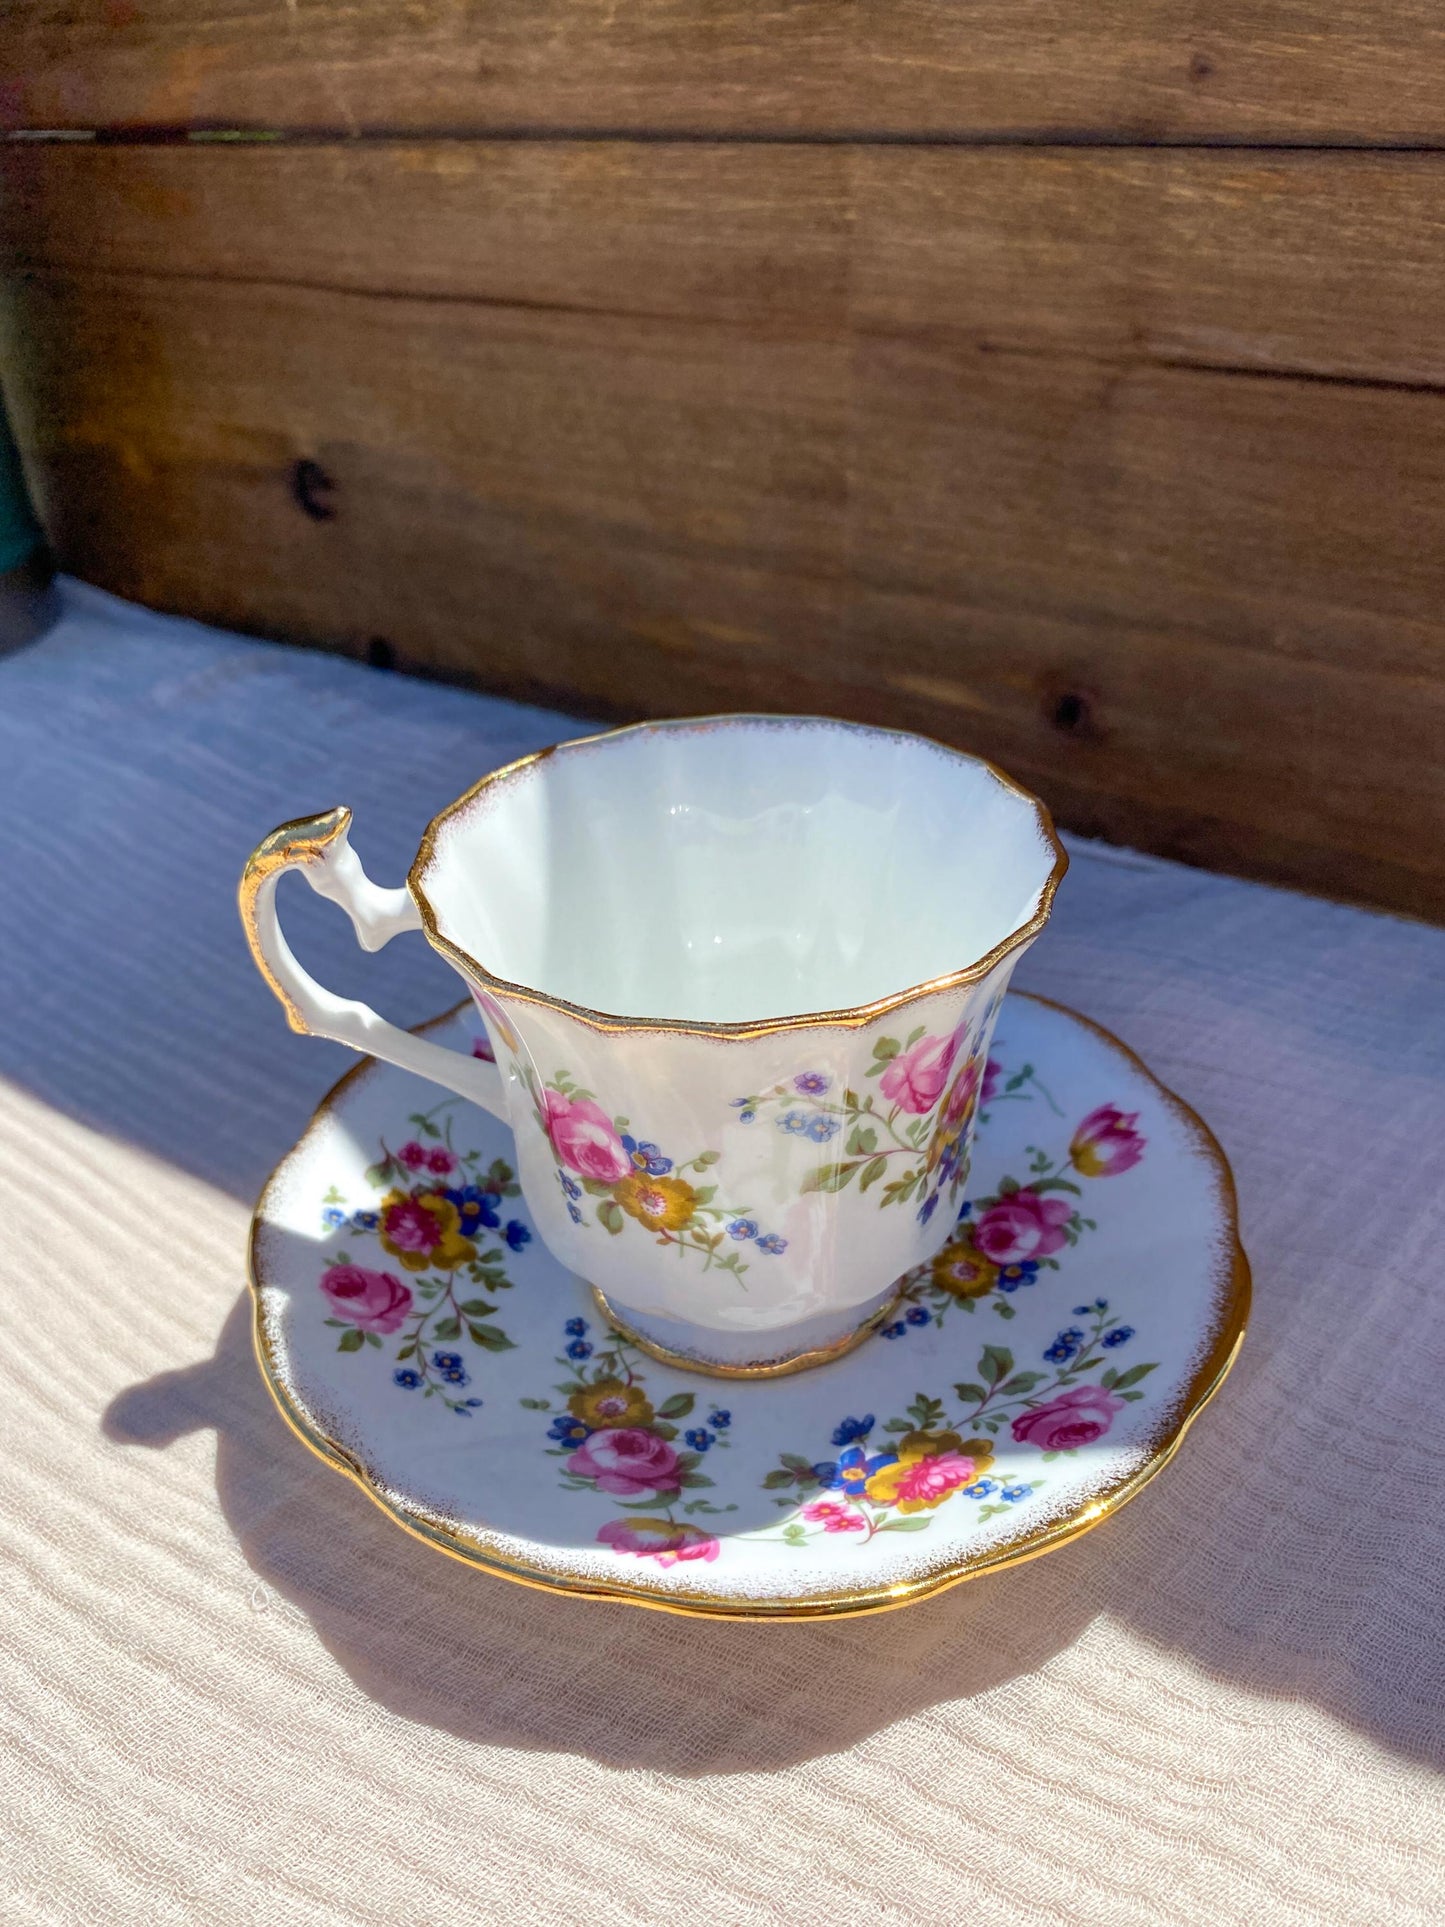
(1076, 1417)
(833, 1517)
(413, 1156)
(410, 1228)
(992, 1077)
(915, 1078)
(628, 1461)
(584, 1137)
(374, 1300)
(658, 1539)
(929, 1481)
(1107, 1143)
(1022, 1226)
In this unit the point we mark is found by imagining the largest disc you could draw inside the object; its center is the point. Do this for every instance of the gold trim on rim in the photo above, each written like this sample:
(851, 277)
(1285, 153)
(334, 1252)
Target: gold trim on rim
(848, 1018)
(775, 1368)
(1234, 1290)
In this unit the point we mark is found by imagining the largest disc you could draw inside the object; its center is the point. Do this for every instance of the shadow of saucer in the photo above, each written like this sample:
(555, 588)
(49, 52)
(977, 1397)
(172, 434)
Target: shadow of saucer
(437, 1642)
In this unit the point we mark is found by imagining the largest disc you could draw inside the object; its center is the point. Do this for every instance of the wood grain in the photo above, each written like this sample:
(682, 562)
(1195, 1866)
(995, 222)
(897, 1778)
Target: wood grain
(1135, 70)
(1126, 470)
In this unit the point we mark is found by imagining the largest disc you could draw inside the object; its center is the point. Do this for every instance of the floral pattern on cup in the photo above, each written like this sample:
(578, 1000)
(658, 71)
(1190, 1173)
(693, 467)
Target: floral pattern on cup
(599, 1156)
(431, 1286)
(614, 1440)
(929, 1090)
(933, 1455)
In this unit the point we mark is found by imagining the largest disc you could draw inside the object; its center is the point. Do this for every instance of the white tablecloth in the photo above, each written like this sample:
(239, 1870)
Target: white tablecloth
(232, 1692)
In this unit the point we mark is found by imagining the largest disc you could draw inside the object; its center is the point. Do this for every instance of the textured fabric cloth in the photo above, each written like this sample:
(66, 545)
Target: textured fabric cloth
(234, 1693)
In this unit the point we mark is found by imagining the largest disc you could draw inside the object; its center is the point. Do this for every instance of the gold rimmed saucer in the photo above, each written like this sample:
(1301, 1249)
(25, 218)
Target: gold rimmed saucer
(1021, 1389)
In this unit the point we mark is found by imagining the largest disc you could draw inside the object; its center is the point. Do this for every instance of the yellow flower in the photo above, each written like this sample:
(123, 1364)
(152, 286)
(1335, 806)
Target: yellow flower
(608, 1404)
(424, 1231)
(662, 1204)
(962, 1270)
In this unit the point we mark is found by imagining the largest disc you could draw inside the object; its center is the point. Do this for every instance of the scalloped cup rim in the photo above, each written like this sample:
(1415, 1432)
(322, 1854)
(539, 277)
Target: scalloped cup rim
(849, 1017)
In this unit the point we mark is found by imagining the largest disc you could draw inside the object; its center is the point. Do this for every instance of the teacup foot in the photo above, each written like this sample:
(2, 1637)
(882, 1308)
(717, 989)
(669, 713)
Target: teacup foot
(688, 1347)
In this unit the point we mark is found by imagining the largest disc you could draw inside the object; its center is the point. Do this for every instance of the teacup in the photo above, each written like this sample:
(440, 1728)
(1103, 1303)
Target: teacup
(739, 977)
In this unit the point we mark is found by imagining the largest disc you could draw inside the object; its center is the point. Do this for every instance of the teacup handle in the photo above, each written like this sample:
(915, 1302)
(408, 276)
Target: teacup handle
(317, 847)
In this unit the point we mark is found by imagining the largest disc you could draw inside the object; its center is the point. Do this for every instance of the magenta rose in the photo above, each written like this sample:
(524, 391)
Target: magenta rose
(992, 1077)
(1107, 1142)
(482, 1048)
(1022, 1226)
(628, 1461)
(406, 1226)
(441, 1161)
(413, 1155)
(915, 1078)
(1076, 1417)
(374, 1300)
(584, 1137)
(658, 1539)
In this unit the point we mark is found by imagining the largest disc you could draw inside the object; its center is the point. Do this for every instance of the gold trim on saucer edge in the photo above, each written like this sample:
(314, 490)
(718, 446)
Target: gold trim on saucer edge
(1235, 1287)
(772, 1368)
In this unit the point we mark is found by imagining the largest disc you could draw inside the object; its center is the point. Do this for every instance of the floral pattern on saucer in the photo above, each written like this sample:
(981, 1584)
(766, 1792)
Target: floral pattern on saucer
(398, 1282)
(435, 1203)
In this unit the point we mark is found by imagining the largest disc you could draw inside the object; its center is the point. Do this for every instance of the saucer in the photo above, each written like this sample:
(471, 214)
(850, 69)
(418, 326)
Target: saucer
(1029, 1381)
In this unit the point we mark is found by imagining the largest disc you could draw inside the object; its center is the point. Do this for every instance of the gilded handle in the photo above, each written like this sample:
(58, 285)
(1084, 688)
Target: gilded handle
(317, 846)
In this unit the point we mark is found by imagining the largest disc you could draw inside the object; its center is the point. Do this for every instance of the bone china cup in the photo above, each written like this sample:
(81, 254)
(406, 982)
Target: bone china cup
(739, 977)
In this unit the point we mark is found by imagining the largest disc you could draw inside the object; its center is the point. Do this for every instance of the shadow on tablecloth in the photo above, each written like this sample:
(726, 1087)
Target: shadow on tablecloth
(436, 1642)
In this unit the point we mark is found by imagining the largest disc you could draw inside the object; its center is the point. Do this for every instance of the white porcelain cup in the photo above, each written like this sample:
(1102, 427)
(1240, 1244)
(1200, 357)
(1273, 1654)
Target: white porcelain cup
(739, 975)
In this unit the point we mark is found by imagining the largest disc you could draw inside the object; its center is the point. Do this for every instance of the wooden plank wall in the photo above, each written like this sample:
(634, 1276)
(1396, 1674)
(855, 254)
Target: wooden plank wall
(1066, 382)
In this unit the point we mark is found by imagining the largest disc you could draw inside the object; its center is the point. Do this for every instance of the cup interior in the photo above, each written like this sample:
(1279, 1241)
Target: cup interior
(737, 869)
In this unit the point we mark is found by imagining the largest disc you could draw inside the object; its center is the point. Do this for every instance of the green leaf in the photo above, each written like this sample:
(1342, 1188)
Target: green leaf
(795, 1464)
(795, 1534)
(663, 1429)
(1131, 1395)
(333, 1196)
(706, 1158)
(914, 1035)
(901, 1424)
(1023, 1382)
(906, 1525)
(490, 1338)
(970, 1394)
(884, 1049)
(609, 1216)
(407, 1351)
(478, 1308)
(872, 1171)
(862, 1138)
(372, 1339)
(696, 1478)
(1007, 1187)
(349, 1341)
(706, 1193)
(678, 1406)
(339, 1323)
(775, 1480)
(448, 1329)
(535, 1404)
(595, 1188)
(995, 1363)
(1003, 1308)
(1133, 1375)
(829, 1177)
